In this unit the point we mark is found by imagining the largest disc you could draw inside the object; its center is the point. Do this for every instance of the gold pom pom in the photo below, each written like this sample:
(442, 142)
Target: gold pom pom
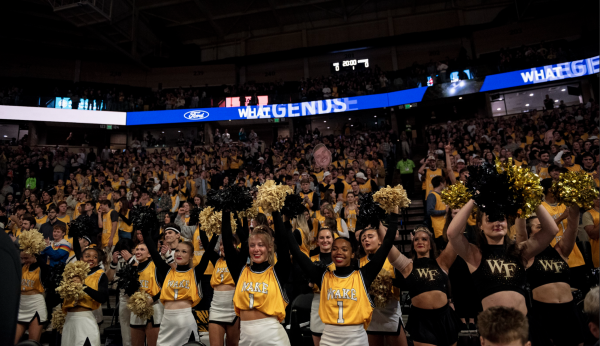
(210, 221)
(138, 304)
(381, 289)
(249, 213)
(68, 289)
(58, 319)
(391, 197)
(575, 188)
(32, 242)
(456, 196)
(271, 197)
(525, 185)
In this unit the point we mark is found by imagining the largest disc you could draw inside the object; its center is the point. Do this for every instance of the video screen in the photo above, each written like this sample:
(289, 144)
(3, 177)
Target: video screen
(84, 104)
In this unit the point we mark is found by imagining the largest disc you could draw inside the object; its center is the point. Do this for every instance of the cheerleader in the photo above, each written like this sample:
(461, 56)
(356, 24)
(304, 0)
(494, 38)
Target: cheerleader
(548, 275)
(498, 264)
(432, 321)
(302, 233)
(120, 257)
(80, 324)
(223, 322)
(259, 299)
(386, 322)
(345, 306)
(324, 242)
(146, 330)
(350, 211)
(181, 290)
(32, 307)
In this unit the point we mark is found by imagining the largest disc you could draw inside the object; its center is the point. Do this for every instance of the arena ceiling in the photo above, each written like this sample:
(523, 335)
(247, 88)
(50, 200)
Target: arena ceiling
(152, 32)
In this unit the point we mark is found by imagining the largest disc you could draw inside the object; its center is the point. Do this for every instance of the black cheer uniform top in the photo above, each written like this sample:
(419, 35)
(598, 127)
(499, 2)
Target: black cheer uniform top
(498, 272)
(426, 276)
(548, 267)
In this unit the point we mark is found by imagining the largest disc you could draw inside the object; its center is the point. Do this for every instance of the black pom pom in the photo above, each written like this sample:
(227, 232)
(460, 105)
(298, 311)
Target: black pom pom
(234, 198)
(194, 216)
(492, 192)
(145, 219)
(293, 206)
(128, 279)
(370, 212)
(54, 277)
(83, 226)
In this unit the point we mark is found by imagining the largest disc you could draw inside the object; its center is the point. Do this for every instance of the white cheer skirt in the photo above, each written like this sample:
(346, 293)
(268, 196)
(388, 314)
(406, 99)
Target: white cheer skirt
(79, 328)
(221, 308)
(156, 319)
(263, 332)
(30, 306)
(351, 335)
(386, 320)
(177, 328)
(316, 325)
(98, 315)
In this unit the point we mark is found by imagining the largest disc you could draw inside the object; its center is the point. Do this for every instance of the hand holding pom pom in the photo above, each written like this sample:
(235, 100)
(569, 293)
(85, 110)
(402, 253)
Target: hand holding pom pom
(389, 198)
(271, 197)
(58, 319)
(71, 287)
(138, 303)
(32, 242)
(381, 289)
(456, 196)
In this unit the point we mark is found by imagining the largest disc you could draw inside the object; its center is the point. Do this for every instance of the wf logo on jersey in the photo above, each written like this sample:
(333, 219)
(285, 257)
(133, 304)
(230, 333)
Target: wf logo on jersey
(179, 284)
(427, 273)
(258, 287)
(556, 266)
(341, 294)
(505, 269)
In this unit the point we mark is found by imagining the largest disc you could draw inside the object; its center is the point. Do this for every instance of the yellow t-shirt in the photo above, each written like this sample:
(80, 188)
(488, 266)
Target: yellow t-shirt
(345, 300)
(221, 274)
(181, 286)
(260, 291)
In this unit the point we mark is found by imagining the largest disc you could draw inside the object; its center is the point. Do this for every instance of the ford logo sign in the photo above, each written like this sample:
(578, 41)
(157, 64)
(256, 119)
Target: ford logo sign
(196, 115)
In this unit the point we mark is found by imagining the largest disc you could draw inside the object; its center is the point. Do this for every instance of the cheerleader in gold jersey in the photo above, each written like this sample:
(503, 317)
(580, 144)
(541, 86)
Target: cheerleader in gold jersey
(223, 322)
(345, 307)
(181, 290)
(259, 298)
(32, 308)
(142, 329)
(80, 324)
(324, 242)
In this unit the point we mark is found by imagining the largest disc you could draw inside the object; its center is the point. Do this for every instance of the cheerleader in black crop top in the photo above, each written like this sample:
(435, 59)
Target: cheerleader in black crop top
(259, 299)
(80, 324)
(345, 307)
(553, 317)
(431, 320)
(498, 264)
(180, 291)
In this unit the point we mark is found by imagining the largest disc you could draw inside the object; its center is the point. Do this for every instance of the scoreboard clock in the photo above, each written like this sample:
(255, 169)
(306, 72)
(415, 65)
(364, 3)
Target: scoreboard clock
(350, 65)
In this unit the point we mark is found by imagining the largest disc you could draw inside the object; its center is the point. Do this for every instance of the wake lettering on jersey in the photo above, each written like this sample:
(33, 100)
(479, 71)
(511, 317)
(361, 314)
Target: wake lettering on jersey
(424, 273)
(502, 268)
(556, 266)
(255, 287)
(343, 294)
(144, 284)
(179, 284)
(27, 283)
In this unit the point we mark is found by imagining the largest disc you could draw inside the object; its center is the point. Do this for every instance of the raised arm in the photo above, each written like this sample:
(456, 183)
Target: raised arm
(456, 237)
(538, 241)
(370, 270)
(400, 262)
(521, 228)
(565, 245)
(310, 270)
(100, 295)
(283, 267)
(235, 260)
(206, 258)
(161, 266)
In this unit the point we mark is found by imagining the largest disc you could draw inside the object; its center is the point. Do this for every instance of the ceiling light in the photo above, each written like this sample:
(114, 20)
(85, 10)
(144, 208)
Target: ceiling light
(462, 83)
(530, 94)
(527, 105)
(351, 125)
(5, 136)
(563, 89)
(375, 116)
(328, 127)
(349, 118)
(499, 109)
(163, 132)
(460, 98)
(555, 100)
(178, 131)
(324, 121)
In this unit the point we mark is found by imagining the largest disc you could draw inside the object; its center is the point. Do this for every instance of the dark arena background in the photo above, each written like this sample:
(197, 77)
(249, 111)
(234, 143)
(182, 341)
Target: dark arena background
(123, 120)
